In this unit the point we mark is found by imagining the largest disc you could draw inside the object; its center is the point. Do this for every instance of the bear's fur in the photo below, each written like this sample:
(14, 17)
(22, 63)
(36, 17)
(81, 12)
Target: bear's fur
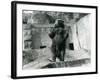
(58, 36)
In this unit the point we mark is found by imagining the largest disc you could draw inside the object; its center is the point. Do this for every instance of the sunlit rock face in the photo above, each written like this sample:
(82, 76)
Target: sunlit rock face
(81, 36)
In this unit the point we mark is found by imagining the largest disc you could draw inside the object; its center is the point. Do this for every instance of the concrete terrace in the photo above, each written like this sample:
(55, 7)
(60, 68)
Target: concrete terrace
(73, 58)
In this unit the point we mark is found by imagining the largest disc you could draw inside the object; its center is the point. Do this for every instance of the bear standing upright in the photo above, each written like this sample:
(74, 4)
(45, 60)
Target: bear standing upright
(58, 36)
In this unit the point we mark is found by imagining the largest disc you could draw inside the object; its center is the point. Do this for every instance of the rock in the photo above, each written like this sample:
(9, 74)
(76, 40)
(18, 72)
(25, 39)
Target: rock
(81, 33)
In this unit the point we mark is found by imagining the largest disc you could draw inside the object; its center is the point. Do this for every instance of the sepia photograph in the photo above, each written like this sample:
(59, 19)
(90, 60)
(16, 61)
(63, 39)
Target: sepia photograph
(53, 39)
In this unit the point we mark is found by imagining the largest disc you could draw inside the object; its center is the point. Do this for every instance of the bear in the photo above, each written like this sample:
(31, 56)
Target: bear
(59, 36)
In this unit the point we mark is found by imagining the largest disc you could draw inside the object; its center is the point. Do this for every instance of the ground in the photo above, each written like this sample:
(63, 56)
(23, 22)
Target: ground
(42, 58)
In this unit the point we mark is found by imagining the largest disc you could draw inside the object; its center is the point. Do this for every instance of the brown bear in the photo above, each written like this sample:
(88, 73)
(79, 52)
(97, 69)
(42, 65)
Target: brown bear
(58, 36)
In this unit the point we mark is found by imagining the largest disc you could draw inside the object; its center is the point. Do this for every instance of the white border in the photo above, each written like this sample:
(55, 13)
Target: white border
(36, 72)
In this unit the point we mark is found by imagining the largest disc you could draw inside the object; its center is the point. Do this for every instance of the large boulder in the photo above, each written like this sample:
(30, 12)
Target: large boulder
(81, 36)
